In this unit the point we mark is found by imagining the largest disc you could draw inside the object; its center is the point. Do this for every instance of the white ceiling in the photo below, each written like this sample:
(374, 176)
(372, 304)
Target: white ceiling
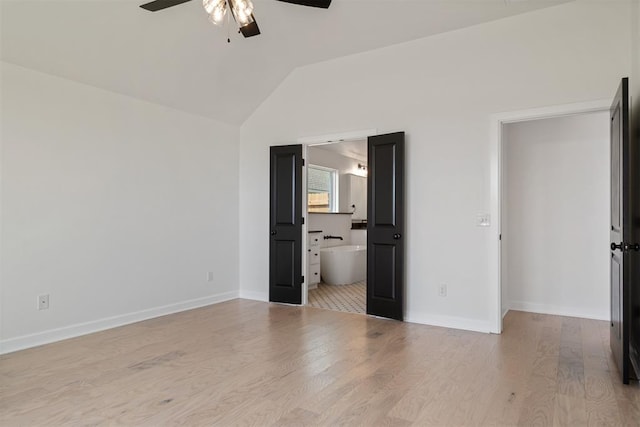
(177, 58)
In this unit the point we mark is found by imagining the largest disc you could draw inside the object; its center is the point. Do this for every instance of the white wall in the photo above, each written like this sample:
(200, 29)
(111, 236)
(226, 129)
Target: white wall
(556, 230)
(635, 58)
(634, 77)
(358, 237)
(442, 91)
(503, 246)
(115, 207)
(331, 225)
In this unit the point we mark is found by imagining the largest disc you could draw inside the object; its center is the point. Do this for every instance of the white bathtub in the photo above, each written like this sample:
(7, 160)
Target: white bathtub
(343, 265)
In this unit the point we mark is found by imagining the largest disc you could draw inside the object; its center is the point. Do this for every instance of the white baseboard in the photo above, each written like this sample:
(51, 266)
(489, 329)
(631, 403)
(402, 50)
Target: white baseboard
(449, 322)
(255, 296)
(52, 335)
(532, 307)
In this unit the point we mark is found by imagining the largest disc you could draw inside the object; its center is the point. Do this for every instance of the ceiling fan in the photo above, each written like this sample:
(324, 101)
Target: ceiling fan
(240, 10)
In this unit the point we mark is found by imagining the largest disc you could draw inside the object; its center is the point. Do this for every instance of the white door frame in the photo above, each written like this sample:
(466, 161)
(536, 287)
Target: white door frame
(496, 152)
(306, 142)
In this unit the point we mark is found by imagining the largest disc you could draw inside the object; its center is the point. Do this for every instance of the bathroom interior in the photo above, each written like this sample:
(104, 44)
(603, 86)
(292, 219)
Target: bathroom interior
(337, 225)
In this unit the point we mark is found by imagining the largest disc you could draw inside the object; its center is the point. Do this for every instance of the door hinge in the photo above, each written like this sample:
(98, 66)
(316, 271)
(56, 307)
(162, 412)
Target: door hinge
(302, 162)
(302, 279)
(303, 220)
(500, 237)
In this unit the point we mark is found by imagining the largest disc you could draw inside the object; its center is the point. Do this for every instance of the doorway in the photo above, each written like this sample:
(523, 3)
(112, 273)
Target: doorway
(512, 257)
(555, 216)
(385, 225)
(337, 225)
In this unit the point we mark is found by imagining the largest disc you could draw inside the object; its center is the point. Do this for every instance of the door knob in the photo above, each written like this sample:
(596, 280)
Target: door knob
(626, 247)
(274, 232)
(397, 236)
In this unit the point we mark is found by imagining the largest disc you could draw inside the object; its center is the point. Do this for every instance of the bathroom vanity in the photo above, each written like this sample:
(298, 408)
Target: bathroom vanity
(313, 253)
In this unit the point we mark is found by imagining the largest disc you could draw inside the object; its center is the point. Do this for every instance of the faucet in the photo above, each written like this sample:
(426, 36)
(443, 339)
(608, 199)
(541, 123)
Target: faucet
(333, 237)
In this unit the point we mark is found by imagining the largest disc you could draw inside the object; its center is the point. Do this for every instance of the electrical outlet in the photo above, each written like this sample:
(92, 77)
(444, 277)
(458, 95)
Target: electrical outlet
(442, 290)
(43, 302)
(483, 220)
(210, 276)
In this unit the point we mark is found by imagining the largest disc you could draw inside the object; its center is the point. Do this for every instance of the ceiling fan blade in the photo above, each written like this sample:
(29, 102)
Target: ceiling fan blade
(313, 3)
(157, 5)
(250, 30)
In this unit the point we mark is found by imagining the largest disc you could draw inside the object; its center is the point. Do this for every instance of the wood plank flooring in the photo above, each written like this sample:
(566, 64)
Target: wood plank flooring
(251, 363)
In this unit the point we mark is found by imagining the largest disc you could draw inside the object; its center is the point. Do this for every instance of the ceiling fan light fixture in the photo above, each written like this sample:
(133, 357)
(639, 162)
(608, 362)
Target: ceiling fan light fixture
(216, 9)
(248, 19)
(242, 11)
(218, 14)
(210, 5)
(245, 5)
(217, 17)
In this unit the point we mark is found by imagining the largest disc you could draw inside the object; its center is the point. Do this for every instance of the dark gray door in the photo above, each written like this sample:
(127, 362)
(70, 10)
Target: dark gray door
(285, 219)
(385, 226)
(624, 250)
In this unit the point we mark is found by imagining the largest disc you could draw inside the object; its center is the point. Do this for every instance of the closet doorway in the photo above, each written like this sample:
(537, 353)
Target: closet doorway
(555, 216)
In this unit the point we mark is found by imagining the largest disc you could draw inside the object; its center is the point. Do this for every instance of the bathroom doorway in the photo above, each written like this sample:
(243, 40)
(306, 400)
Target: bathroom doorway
(337, 225)
(288, 235)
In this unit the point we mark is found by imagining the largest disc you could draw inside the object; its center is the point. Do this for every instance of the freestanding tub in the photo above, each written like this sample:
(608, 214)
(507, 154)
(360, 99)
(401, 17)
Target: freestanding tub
(343, 265)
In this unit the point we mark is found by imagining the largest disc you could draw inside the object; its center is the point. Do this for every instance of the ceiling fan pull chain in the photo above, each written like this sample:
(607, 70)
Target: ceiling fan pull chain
(228, 29)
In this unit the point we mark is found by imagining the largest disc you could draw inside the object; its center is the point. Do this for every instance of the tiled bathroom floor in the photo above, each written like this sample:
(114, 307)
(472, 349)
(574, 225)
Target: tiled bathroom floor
(350, 298)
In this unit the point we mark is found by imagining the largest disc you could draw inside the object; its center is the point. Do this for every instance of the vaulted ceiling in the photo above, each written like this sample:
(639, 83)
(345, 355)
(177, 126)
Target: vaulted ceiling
(177, 58)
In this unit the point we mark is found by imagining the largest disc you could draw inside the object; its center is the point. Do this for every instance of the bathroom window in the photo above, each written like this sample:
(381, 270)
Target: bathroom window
(322, 184)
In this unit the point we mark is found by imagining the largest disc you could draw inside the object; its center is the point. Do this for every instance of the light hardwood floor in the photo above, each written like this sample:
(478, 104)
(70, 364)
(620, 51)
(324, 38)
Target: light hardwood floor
(253, 363)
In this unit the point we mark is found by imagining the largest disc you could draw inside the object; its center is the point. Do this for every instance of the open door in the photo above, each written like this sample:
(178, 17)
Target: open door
(285, 220)
(624, 250)
(385, 226)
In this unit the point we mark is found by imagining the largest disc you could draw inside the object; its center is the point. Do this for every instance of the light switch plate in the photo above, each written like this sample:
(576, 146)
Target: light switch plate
(43, 302)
